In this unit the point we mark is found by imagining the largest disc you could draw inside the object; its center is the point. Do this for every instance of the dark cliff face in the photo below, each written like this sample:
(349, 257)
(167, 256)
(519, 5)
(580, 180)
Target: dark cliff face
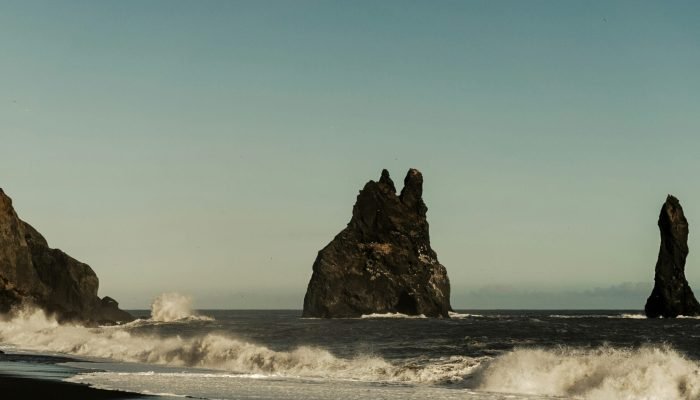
(672, 296)
(33, 273)
(382, 261)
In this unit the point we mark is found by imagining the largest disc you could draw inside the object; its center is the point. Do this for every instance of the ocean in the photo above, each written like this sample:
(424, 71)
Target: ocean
(266, 354)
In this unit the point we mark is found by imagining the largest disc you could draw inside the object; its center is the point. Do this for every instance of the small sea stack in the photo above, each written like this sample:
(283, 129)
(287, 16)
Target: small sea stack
(672, 296)
(382, 261)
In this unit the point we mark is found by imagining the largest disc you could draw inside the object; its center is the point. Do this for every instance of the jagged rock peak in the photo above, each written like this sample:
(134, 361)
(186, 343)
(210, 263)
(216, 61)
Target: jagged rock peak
(673, 224)
(385, 180)
(672, 295)
(382, 261)
(32, 273)
(412, 192)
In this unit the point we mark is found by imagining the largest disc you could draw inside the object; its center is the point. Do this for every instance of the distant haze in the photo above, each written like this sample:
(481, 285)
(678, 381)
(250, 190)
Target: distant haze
(212, 148)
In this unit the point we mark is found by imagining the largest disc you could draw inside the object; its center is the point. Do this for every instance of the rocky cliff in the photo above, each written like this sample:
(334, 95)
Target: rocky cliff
(382, 261)
(33, 273)
(671, 295)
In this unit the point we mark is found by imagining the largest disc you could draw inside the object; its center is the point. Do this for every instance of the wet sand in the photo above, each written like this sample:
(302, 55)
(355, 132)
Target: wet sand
(20, 387)
(32, 376)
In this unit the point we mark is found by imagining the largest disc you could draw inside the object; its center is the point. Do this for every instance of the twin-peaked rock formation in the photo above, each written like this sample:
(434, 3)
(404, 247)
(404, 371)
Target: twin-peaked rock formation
(32, 273)
(672, 296)
(382, 261)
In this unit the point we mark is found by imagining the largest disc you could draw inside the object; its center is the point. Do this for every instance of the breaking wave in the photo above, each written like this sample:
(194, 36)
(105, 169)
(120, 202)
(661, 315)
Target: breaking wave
(602, 373)
(33, 330)
(171, 307)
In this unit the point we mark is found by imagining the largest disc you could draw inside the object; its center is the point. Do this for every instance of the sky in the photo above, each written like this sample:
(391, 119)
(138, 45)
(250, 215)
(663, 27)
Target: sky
(213, 147)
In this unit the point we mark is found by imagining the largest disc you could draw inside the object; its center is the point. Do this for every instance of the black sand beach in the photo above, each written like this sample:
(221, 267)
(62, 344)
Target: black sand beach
(20, 387)
(30, 376)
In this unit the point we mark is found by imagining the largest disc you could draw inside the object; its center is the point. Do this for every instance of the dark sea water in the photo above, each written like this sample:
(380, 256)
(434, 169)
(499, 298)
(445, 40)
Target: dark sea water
(236, 354)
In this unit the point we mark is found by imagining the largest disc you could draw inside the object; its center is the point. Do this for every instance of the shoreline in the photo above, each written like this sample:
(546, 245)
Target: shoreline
(37, 376)
(25, 387)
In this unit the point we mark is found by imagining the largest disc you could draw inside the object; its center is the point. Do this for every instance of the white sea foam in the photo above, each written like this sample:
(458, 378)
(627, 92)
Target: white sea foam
(569, 316)
(34, 331)
(457, 315)
(593, 374)
(171, 307)
(213, 386)
(617, 316)
(602, 373)
(633, 316)
(393, 315)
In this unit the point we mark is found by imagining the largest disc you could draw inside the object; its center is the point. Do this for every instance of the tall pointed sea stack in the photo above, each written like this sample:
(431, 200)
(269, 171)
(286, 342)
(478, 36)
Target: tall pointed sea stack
(672, 296)
(32, 273)
(382, 261)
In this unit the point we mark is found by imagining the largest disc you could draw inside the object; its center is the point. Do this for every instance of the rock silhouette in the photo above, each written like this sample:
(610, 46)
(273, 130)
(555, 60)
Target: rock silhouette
(32, 273)
(671, 295)
(382, 261)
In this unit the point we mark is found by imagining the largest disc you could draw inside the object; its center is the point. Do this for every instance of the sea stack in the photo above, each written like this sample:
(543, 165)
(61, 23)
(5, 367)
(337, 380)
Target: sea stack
(672, 296)
(32, 273)
(382, 261)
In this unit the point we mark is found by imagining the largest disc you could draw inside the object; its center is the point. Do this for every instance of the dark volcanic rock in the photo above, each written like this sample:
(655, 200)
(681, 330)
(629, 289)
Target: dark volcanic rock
(382, 261)
(33, 273)
(672, 296)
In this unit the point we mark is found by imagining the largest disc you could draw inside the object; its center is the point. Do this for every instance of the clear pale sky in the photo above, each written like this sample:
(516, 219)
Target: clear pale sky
(213, 147)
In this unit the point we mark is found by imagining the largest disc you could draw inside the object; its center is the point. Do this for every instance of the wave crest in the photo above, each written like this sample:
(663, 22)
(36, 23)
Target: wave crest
(602, 373)
(171, 307)
(32, 330)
